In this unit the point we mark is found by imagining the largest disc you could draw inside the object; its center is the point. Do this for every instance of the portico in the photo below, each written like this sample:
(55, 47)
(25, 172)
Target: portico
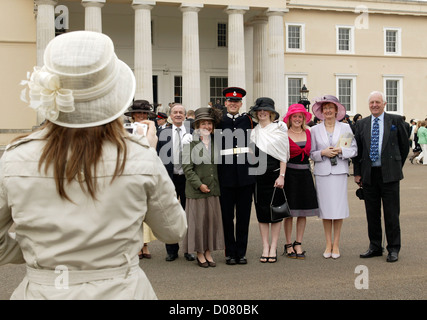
(194, 90)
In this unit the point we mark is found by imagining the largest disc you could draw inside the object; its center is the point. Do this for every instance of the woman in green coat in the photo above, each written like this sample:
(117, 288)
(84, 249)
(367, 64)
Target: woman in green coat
(205, 232)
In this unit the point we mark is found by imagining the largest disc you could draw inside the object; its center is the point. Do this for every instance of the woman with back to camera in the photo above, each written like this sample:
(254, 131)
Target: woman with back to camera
(332, 144)
(79, 189)
(299, 186)
(272, 146)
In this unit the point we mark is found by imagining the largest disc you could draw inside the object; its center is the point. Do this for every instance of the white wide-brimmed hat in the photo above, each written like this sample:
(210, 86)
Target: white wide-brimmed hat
(82, 83)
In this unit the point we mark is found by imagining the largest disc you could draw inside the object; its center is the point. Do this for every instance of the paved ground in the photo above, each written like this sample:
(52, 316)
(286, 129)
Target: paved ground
(314, 278)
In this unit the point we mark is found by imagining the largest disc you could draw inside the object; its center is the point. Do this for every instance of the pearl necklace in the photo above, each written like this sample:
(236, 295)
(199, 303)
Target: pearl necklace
(295, 131)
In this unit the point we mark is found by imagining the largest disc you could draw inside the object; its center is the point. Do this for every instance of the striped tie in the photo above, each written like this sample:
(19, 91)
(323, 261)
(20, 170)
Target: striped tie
(375, 137)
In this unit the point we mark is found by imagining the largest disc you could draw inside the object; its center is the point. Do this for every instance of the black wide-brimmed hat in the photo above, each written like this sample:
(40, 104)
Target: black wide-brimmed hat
(140, 106)
(266, 104)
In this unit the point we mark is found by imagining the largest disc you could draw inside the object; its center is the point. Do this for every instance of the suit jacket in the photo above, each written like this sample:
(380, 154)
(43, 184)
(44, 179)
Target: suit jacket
(165, 147)
(395, 148)
(320, 141)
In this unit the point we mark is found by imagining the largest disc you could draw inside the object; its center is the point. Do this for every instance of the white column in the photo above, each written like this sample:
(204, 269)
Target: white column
(93, 14)
(143, 67)
(45, 32)
(236, 48)
(276, 53)
(249, 64)
(191, 98)
(260, 65)
(45, 26)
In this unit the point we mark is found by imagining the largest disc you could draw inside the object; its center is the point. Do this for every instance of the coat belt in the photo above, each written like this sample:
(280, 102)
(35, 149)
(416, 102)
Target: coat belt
(73, 277)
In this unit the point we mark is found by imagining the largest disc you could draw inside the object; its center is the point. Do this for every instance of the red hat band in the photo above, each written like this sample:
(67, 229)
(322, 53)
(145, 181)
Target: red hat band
(233, 95)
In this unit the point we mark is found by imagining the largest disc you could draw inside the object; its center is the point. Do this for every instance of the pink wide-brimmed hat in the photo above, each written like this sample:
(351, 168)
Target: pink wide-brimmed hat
(317, 107)
(296, 108)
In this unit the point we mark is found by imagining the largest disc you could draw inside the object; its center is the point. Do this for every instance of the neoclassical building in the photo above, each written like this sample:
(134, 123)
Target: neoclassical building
(188, 52)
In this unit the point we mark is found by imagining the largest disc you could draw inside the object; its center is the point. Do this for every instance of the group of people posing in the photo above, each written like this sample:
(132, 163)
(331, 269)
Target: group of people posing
(227, 159)
(76, 192)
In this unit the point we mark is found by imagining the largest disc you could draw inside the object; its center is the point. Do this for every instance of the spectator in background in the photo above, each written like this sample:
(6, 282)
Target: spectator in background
(356, 117)
(422, 140)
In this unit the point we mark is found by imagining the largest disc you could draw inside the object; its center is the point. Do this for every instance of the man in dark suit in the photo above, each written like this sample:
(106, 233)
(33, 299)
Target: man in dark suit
(236, 184)
(168, 139)
(379, 171)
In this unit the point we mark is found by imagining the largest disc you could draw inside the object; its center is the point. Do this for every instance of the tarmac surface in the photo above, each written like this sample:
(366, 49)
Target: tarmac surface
(315, 278)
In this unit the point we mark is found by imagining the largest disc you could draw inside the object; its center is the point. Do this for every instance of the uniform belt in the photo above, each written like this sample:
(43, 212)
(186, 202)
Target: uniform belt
(227, 152)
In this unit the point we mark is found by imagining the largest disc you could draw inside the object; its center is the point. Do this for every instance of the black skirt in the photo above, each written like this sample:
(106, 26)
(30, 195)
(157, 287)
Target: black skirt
(264, 191)
(300, 189)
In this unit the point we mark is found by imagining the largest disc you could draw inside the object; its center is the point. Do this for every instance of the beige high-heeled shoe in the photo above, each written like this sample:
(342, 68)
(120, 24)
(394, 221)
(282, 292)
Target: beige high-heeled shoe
(335, 255)
(327, 255)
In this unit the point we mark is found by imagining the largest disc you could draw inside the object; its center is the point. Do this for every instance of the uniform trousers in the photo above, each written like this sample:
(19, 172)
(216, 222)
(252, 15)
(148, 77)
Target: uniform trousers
(238, 200)
(389, 194)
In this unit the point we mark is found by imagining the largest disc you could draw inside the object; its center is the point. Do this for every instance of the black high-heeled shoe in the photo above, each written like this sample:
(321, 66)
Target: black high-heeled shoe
(272, 259)
(291, 255)
(301, 255)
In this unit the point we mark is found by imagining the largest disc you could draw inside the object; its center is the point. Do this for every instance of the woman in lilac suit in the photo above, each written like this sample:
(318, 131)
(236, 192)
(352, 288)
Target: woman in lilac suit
(332, 145)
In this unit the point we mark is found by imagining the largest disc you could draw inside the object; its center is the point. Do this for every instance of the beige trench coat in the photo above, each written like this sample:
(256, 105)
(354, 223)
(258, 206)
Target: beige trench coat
(86, 249)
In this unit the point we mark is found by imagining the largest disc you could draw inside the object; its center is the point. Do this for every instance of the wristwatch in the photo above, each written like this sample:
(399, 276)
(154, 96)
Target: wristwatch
(282, 174)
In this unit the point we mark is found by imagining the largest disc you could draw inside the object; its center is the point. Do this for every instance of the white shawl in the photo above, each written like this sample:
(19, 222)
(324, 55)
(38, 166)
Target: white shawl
(273, 140)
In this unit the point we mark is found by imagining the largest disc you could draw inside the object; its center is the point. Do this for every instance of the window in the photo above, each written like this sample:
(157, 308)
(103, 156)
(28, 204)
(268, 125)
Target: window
(392, 89)
(392, 42)
(294, 88)
(394, 95)
(222, 34)
(345, 39)
(346, 91)
(177, 88)
(217, 84)
(295, 37)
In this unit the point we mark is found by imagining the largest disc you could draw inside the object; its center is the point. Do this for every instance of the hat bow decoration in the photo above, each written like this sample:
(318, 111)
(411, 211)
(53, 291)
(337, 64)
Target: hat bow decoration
(46, 94)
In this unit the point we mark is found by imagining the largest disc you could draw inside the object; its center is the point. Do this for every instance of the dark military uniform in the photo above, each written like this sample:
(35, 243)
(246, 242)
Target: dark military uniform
(236, 184)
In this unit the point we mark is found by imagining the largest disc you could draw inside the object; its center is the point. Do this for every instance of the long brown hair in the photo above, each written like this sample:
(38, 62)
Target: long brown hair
(74, 154)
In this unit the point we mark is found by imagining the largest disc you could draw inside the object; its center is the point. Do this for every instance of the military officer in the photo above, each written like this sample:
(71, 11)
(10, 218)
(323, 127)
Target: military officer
(236, 184)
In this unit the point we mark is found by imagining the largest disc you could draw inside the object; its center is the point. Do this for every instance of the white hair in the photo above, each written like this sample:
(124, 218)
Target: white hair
(377, 92)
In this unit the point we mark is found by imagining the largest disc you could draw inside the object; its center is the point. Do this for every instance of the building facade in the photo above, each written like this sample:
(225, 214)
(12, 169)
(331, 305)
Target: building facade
(188, 52)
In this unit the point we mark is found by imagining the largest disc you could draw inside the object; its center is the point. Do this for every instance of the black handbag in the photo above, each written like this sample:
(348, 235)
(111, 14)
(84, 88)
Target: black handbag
(281, 211)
